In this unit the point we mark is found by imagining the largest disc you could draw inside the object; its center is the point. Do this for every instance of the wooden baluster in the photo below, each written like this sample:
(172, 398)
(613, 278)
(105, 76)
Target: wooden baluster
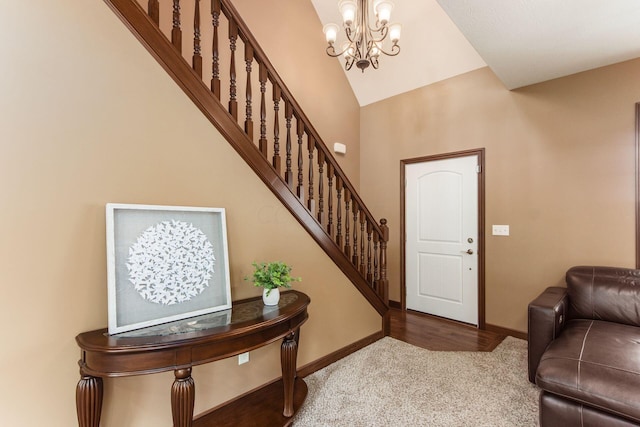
(233, 37)
(311, 203)
(330, 173)
(354, 258)
(276, 128)
(176, 32)
(248, 59)
(347, 236)
(300, 187)
(362, 221)
(376, 272)
(215, 63)
(262, 144)
(339, 211)
(383, 290)
(288, 114)
(369, 272)
(196, 60)
(320, 186)
(153, 9)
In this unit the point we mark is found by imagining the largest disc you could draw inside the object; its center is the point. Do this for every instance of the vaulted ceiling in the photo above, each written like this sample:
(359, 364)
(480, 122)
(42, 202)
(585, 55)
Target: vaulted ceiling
(522, 41)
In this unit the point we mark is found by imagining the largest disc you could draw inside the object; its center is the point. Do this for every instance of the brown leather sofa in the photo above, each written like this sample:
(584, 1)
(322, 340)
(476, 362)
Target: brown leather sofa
(584, 349)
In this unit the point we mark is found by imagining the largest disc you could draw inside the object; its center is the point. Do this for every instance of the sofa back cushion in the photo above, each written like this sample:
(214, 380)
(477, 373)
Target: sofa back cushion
(604, 293)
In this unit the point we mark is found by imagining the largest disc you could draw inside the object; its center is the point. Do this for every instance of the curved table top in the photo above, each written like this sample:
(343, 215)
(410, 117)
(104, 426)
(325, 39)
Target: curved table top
(249, 324)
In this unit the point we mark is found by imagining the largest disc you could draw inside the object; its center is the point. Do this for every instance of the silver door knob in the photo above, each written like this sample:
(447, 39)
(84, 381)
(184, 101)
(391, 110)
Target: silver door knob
(470, 251)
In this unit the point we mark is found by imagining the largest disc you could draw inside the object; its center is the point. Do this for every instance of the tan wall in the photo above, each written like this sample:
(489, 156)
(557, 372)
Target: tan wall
(88, 117)
(290, 33)
(559, 171)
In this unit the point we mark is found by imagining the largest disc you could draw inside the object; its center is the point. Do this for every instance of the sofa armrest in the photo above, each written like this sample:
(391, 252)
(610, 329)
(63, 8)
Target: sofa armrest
(546, 319)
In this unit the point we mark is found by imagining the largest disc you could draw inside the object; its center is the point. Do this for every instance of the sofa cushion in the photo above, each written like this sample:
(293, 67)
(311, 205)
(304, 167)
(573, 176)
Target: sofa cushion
(604, 293)
(596, 363)
(558, 412)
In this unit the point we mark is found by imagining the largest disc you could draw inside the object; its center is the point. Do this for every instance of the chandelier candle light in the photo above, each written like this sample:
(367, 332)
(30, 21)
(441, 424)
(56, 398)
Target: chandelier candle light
(365, 42)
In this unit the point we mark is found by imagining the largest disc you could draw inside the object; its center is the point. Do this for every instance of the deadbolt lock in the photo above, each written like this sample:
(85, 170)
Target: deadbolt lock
(470, 240)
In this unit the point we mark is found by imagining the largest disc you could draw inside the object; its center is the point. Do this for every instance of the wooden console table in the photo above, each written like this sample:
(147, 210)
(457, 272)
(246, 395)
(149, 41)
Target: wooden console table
(178, 346)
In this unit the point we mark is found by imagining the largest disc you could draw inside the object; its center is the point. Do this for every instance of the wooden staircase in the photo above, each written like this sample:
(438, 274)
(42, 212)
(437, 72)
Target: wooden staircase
(277, 140)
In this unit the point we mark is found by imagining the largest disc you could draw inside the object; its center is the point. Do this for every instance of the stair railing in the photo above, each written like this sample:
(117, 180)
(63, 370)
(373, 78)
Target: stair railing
(272, 133)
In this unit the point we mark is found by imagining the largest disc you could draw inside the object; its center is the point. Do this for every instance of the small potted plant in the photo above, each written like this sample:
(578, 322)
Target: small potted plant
(271, 276)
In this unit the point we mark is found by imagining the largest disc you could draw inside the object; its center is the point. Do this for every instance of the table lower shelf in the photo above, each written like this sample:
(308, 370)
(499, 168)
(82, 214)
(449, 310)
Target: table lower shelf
(259, 408)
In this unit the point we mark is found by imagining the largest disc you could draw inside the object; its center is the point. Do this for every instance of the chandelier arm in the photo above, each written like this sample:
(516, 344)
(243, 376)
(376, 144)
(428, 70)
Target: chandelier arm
(378, 27)
(377, 43)
(331, 51)
(350, 33)
(395, 49)
(381, 34)
(361, 50)
(349, 63)
(370, 45)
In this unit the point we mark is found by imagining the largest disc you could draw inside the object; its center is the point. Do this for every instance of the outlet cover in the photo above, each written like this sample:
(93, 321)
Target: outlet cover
(500, 230)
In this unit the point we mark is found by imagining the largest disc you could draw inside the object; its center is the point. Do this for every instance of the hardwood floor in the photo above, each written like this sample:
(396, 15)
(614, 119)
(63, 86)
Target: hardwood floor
(434, 333)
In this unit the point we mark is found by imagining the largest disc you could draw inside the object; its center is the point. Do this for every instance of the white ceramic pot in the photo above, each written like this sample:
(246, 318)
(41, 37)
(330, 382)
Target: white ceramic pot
(273, 298)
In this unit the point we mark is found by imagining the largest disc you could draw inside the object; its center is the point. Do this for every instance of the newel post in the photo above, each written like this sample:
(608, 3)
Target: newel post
(383, 288)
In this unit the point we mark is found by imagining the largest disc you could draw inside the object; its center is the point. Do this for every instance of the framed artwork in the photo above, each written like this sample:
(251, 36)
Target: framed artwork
(165, 263)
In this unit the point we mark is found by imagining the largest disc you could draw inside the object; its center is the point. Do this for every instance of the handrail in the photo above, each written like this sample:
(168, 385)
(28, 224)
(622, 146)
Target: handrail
(344, 228)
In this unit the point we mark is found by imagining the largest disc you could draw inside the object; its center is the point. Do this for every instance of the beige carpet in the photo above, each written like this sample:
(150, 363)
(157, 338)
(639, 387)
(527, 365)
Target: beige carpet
(392, 383)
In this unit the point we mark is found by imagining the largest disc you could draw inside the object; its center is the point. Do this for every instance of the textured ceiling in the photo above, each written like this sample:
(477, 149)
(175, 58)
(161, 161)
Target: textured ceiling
(522, 41)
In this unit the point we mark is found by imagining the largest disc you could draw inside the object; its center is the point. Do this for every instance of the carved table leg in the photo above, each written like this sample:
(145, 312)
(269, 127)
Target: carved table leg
(89, 400)
(288, 355)
(183, 398)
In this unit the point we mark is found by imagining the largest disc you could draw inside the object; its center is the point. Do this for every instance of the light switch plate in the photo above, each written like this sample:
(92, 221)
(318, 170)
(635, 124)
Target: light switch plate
(243, 358)
(500, 230)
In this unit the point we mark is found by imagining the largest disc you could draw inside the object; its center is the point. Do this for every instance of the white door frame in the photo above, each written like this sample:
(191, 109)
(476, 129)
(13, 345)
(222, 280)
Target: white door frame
(481, 235)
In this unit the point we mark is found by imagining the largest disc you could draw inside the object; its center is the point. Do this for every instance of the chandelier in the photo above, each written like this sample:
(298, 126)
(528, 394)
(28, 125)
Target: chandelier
(364, 41)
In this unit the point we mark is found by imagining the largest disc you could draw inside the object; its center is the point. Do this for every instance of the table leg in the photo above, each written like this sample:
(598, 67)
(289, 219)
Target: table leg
(288, 355)
(89, 400)
(183, 398)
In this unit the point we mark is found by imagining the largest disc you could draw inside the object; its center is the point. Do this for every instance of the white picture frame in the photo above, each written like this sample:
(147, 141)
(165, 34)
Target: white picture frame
(165, 263)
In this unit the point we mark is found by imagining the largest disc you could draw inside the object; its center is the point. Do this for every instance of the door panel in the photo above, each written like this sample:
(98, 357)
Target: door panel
(435, 273)
(441, 220)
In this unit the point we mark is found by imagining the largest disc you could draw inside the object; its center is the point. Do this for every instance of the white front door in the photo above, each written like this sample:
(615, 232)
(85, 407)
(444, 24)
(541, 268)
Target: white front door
(441, 224)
